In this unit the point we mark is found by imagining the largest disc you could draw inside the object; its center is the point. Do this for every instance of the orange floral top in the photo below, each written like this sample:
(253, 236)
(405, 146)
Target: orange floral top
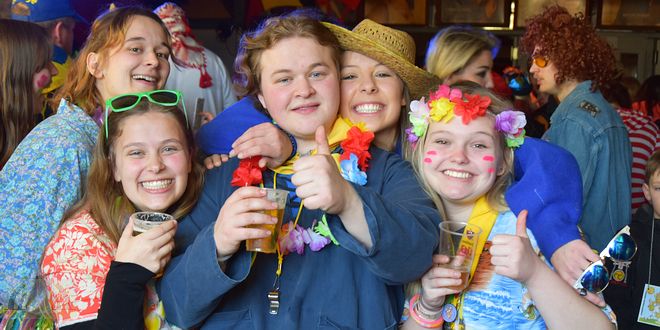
(74, 267)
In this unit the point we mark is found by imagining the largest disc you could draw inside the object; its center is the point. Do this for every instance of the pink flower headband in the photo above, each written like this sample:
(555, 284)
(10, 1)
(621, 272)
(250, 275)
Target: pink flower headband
(445, 103)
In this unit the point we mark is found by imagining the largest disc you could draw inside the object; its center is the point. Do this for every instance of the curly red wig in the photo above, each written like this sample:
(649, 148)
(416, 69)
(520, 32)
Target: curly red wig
(572, 45)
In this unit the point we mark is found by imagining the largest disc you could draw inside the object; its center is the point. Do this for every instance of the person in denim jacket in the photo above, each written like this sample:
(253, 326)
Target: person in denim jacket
(571, 62)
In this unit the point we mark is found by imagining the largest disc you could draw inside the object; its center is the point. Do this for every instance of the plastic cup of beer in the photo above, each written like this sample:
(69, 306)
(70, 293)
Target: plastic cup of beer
(458, 241)
(269, 244)
(143, 221)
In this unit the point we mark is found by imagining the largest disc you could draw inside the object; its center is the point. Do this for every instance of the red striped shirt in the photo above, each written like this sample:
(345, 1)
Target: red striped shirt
(644, 139)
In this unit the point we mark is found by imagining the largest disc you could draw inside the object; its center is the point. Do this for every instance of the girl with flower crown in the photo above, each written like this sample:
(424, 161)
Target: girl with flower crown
(359, 224)
(463, 153)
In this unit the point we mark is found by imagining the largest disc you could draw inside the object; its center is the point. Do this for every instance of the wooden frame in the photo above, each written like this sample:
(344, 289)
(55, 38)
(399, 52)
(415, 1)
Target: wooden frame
(397, 12)
(528, 8)
(629, 14)
(477, 13)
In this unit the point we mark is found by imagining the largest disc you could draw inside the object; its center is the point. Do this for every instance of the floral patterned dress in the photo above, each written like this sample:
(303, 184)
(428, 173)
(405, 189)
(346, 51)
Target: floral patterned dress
(75, 265)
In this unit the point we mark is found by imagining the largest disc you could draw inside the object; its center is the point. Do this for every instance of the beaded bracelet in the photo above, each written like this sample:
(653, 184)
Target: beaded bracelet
(421, 320)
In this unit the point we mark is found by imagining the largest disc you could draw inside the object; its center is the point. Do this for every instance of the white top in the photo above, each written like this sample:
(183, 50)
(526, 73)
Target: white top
(216, 98)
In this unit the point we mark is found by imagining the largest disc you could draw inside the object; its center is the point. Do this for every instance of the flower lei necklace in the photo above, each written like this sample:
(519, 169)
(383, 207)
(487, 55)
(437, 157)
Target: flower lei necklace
(446, 102)
(353, 162)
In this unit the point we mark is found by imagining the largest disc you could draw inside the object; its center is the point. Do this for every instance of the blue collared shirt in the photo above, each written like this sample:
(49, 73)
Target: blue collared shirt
(587, 126)
(43, 178)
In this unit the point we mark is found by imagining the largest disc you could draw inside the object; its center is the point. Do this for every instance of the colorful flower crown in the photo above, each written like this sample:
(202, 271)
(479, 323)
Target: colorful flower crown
(445, 103)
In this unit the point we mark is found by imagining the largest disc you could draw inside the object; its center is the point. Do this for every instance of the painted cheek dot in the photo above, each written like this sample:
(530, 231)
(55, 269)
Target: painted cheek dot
(432, 153)
(427, 160)
(489, 158)
(491, 170)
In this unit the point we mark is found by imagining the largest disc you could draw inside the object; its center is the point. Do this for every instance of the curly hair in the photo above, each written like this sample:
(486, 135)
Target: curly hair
(299, 23)
(572, 45)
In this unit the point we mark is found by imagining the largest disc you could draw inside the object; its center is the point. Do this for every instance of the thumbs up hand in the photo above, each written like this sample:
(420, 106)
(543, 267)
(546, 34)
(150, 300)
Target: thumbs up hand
(513, 255)
(318, 181)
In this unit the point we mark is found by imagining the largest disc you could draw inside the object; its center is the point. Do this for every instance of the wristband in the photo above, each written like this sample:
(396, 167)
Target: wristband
(294, 144)
(423, 317)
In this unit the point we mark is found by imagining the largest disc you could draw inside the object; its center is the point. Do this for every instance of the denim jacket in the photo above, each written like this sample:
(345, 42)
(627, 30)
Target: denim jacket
(587, 126)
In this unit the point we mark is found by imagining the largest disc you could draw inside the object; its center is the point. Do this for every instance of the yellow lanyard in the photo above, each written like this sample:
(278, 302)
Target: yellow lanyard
(484, 217)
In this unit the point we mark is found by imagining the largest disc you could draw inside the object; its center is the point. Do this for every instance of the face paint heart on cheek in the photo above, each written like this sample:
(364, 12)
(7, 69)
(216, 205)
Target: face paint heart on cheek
(428, 160)
(43, 79)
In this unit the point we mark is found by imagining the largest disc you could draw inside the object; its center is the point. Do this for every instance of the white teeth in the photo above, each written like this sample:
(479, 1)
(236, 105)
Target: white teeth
(368, 108)
(143, 77)
(160, 184)
(456, 174)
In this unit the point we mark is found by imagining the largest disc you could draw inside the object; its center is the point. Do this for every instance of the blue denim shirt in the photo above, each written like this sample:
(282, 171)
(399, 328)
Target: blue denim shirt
(587, 126)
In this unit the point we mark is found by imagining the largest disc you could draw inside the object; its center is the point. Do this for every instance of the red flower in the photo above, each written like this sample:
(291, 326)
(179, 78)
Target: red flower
(357, 142)
(247, 173)
(474, 107)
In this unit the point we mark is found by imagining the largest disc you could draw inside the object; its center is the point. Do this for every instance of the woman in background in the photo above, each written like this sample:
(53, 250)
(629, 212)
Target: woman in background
(25, 69)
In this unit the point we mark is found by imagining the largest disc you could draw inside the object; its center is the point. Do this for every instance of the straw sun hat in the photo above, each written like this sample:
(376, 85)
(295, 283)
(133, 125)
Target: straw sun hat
(391, 47)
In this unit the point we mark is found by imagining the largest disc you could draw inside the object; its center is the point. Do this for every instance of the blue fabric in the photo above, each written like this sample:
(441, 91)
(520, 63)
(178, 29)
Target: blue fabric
(41, 180)
(217, 136)
(599, 141)
(547, 180)
(59, 55)
(548, 185)
(346, 286)
(45, 10)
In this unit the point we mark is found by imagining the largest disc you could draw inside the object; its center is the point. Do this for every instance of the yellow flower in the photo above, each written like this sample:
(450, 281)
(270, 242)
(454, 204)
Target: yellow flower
(442, 109)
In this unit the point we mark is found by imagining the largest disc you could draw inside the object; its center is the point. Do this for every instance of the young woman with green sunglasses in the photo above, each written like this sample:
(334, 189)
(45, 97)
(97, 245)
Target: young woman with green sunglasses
(126, 51)
(142, 162)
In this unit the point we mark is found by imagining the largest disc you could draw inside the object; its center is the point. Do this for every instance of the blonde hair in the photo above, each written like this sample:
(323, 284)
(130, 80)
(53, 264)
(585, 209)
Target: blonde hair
(455, 47)
(105, 198)
(108, 32)
(25, 49)
(494, 196)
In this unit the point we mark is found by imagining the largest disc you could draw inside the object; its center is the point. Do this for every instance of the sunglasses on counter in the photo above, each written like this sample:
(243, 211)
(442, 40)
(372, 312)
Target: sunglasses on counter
(125, 102)
(596, 277)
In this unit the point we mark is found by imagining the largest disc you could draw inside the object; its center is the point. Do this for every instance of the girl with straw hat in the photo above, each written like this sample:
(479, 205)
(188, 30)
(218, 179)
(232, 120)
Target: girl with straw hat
(378, 77)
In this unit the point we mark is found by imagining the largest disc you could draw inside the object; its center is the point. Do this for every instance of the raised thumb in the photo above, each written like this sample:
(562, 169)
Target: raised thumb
(521, 224)
(322, 147)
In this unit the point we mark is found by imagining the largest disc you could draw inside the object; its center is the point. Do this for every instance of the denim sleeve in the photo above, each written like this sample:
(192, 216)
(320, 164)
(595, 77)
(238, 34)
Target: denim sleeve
(403, 223)
(194, 283)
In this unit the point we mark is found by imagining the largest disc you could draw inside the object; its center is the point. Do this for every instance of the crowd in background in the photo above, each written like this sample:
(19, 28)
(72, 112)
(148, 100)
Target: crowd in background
(551, 164)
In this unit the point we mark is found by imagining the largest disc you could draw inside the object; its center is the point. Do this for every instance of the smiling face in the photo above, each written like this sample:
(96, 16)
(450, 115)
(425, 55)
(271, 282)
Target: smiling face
(299, 87)
(478, 71)
(461, 161)
(139, 64)
(371, 93)
(152, 160)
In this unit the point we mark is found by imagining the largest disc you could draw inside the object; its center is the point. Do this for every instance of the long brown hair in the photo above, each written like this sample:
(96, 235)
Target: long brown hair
(108, 32)
(105, 198)
(25, 49)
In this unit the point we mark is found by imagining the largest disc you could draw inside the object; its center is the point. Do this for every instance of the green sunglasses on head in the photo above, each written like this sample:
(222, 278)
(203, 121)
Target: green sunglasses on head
(125, 102)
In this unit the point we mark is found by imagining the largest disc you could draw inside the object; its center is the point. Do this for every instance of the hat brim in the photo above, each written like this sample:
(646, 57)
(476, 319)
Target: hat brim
(418, 81)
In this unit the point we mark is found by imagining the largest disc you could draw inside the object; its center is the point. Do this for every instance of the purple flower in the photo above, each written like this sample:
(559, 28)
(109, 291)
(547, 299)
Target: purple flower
(315, 241)
(412, 138)
(510, 122)
(293, 241)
